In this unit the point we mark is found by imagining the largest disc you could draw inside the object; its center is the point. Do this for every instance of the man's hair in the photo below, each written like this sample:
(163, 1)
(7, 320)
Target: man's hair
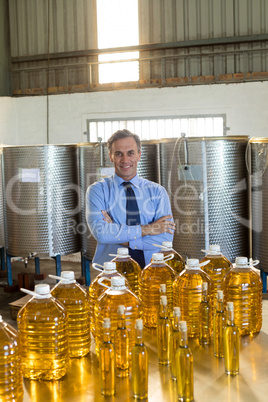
(118, 135)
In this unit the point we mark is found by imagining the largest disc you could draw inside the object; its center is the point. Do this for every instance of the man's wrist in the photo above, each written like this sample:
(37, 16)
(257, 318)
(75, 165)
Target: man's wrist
(145, 230)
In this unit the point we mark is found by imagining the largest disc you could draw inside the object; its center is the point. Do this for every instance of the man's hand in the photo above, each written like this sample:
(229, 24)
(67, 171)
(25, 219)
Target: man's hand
(106, 217)
(162, 225)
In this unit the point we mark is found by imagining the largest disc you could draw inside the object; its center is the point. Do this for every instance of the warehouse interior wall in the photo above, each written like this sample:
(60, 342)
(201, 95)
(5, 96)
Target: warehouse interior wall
(5, 59)
(23, 121)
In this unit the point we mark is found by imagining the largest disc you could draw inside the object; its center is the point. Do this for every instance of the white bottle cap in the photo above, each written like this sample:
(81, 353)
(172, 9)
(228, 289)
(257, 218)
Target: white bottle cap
(163, 300)
(163, 288)
(167, 245)
(176, 311)
(215, 248)
(204, 286)
(109, 266)
(42, 289)
(230, 306)
(192, 263)
(69, 275)
(122, 251)
(241, 261)
(139, 324)
(219, 295)
(121, 309)
(158, 257)
(183, 325)
(118, 281)
(106, 323)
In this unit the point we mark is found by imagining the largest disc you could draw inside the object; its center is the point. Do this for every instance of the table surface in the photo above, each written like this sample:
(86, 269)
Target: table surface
(82, 383)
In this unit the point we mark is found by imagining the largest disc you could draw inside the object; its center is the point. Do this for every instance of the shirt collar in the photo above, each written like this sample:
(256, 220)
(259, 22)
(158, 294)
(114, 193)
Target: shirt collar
(118, 180)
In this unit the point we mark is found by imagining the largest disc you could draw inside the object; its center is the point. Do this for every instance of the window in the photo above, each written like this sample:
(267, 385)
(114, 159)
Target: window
(117, 22)
(150, 128)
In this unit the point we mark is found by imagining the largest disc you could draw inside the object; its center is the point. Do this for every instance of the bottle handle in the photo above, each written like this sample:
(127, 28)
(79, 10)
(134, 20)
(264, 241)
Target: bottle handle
(36, 295)
(202, 264)
(168, 257)
(102, 284)
(211, 252)
(95, 264)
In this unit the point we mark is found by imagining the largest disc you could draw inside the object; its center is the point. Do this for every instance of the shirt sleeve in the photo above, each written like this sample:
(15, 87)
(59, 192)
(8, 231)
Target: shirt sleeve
(103, 232)
(162, 208)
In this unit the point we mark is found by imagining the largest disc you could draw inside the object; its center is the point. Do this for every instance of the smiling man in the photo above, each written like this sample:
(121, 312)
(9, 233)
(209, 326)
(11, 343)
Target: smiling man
(125, 209)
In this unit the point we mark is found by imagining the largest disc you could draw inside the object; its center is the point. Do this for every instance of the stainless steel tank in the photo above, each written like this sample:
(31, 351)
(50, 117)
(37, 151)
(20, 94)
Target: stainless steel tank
(2, 231)
(258, 161)
(207, 182)
(94, 164)
(41, 200)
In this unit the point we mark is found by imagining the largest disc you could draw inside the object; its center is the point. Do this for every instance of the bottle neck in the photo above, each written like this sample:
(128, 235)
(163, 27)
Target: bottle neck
(204, 295)
(230, 317)
(121, 321)
(163, 311)
(176, 320)
(106, 335)
(220, 305)
(139, 337)
(184, 339)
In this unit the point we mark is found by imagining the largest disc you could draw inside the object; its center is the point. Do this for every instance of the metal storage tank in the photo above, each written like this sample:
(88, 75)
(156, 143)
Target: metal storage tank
(41, 200)
(207, 182)
(259, 199)
(94, 163)
(2, 231)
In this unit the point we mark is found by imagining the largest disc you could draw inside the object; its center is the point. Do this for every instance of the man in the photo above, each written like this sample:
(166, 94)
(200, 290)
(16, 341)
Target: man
(125, 210)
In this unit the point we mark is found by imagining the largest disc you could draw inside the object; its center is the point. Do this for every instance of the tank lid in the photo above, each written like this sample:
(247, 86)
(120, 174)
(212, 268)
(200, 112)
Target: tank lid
(122, 251)
(167, 245)
(139, 323)
(192, 263)
(42, 289)
(118, 281)
(158, 257)
(109, 266)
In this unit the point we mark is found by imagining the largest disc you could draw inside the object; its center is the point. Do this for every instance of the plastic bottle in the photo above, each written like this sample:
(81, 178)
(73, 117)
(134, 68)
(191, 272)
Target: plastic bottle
(121, 343)
(139, 358)
(184, 367)
(231, 343)
(187, 294)
(177, 262)
(107, 361)
(95, 289)
(128, 267)
(76, 301)
(11, 386)
(243, 286)
(217, 268)
(153, 275)
(43, 337)
(164, 329)
(219, 322)
(107, 306)
(205, 317)
(175, 340)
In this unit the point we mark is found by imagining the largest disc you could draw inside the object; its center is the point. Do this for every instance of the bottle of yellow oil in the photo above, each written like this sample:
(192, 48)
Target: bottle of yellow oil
(217, 267)
(163, 333)
(205, 317)
(107, 361)
(76, 301)
(175, 340)
(107, 306)
(121, 343)
(184, 367)
(95, 289)
(11, 386)
(243, 286)
(153, 275)
(177, 262)
(231, 343)
(187, 294)
(219, 322)
(42, 327)
(128, 267)
(139, 358)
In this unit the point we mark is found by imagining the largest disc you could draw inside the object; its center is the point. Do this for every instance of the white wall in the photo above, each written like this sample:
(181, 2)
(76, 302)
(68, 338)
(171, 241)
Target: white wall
(24, 120)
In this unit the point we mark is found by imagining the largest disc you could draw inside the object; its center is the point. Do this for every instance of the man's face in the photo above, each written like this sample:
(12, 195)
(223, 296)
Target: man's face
(125, 157)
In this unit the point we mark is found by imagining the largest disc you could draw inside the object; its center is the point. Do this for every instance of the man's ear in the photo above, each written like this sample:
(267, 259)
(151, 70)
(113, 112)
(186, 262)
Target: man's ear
(111, 157)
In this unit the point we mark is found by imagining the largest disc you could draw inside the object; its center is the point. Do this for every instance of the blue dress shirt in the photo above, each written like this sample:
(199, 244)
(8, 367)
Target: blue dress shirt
(109, 195)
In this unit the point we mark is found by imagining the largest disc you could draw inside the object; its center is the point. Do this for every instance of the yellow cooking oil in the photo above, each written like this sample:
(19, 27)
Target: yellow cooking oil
(107, 361)
(107, 305)
(177, 262)
(219, 322)
(153, 275)
(187, 294)
(175, 340)
(43, 336)
(139, 356)
(164, 328)
(243, 286)
(205, 317)
(217, 267)
(121, 343)
(184, 367)
(76, 301)
(108, 270)
(11, 386)
(231, 343)
(128, 267)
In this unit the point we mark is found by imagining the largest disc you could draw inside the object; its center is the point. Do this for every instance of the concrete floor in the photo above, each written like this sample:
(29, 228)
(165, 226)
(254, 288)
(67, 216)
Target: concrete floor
(48, 266)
